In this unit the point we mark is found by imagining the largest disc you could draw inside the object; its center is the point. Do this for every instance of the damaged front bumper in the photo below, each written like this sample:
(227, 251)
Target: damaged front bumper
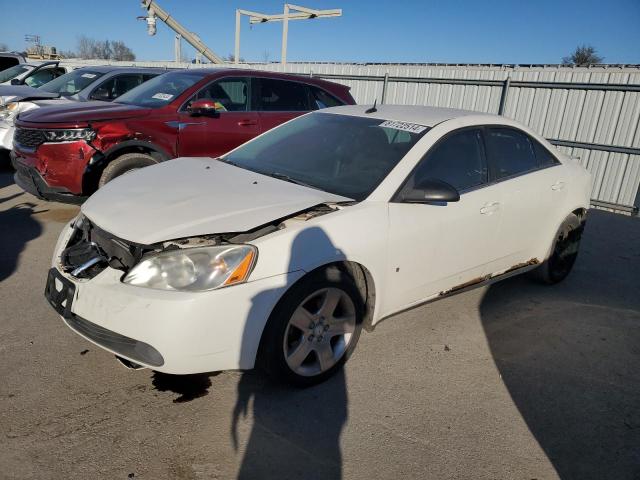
(168, 331)
(31, 181)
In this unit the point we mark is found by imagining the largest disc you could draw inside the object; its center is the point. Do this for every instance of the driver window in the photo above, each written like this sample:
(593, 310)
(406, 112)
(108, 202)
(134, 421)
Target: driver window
(230, 94)
(40, 77)
(457, 160)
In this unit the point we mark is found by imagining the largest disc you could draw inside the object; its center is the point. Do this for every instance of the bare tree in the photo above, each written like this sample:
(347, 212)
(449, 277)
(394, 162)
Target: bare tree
(90, 48)
(583, 55)
(231, 58)
(266, 55)
(122, 52)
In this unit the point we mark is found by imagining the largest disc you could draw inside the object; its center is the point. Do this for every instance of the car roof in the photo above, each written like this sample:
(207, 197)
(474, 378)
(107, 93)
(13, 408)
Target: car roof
(422, 115)
(301, 77)
(112, 68)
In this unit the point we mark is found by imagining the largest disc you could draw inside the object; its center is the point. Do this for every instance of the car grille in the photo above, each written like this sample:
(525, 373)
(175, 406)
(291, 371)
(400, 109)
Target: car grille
(29, 137)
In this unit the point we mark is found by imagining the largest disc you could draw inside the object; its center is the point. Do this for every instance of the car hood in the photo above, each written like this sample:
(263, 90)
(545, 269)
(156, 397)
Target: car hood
(195, 196)
(17, 93)
(79, 112)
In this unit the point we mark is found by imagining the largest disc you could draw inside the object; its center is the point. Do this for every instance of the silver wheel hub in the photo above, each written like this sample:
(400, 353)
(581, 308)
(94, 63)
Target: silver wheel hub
(319, 331)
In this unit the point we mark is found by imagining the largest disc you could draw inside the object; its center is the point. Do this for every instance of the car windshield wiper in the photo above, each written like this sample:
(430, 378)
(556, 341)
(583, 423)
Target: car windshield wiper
(287, 178)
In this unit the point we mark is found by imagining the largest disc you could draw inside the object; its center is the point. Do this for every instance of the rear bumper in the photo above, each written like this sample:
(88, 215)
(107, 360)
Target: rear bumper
(29, 179)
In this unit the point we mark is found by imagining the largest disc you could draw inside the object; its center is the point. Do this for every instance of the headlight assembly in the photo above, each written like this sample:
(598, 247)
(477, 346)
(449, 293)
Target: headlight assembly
(194, 269)
(69, 135)
(8, 111)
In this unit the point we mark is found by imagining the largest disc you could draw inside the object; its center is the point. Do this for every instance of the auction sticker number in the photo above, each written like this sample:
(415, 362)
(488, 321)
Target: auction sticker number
(404, 126)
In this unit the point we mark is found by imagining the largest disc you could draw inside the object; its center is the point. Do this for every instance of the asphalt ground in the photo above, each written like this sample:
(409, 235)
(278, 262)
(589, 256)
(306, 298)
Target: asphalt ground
(513, 381)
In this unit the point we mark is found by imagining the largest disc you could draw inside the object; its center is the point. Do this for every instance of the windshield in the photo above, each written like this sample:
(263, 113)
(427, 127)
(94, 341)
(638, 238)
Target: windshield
(340, 154)
(161, 90)
(13, 72)
(72, 82)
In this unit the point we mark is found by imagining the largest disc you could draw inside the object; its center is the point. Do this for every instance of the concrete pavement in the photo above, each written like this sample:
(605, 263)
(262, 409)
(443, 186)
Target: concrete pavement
(514, 381)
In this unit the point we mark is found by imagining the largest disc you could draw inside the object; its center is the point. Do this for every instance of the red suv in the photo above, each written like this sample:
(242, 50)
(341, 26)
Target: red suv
(66, 152)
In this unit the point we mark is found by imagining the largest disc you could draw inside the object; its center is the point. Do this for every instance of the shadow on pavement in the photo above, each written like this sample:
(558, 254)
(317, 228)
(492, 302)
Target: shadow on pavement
(569, 354)
(295, 433)
(18, 228)
(188, 387)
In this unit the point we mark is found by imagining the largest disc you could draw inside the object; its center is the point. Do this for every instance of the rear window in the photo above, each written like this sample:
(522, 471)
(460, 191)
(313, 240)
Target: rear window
(72, 82)
(322, 99)
(282, 96)
(510, 152)
(6, 62)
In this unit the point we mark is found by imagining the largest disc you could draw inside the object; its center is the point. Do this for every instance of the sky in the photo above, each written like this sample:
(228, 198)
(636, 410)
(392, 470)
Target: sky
(454, 31)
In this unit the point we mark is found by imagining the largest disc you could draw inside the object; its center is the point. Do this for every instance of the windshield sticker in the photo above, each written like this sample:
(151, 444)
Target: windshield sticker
(88, 75)
(404, 126)
(162, 96)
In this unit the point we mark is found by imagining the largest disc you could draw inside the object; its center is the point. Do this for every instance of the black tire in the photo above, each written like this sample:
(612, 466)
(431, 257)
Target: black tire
(123, 164)
(563, 253)
(271, 354)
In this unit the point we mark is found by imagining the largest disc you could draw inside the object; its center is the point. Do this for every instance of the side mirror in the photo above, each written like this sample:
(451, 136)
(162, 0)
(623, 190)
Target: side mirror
(203, 107)
(431, 190)
(15, 81)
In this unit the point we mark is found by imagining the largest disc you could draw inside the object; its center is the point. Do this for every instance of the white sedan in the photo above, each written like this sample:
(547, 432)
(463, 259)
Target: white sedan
(279, 253)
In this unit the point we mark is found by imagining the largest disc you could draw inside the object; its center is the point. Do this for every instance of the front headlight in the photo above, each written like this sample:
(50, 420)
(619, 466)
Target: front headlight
(69, 135)
(194, 269)
(8, 111)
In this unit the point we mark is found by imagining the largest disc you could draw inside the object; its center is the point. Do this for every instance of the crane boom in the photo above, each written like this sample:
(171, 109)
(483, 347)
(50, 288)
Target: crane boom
(156, 11)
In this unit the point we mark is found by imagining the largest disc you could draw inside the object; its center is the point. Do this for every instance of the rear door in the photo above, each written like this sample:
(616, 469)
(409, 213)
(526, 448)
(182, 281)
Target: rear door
(280, 101)
(438, 247)
(531, 182)
(234, 123)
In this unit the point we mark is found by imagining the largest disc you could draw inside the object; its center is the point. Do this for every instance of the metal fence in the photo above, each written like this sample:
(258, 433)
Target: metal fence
(589, 113)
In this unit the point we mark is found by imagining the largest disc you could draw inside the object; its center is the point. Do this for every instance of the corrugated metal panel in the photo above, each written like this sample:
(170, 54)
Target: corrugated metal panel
(572, 114)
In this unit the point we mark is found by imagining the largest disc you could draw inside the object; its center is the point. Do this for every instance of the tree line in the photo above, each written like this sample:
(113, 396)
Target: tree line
(92, 49)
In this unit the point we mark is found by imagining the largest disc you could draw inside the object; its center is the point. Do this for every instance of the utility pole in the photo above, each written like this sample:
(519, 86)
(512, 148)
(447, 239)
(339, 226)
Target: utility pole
(156, 11)
(291, 12)
(177, 48)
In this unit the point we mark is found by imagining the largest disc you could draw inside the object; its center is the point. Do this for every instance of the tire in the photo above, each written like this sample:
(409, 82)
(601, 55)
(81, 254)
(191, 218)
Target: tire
(563, 253)
(329, 337)
(123, 164)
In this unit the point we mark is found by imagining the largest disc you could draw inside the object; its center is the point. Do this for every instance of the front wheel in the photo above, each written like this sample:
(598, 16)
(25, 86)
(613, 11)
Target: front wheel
(123, 164)
(314, 328)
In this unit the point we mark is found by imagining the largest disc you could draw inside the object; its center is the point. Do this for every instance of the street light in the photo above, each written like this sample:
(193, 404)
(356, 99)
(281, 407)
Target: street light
(299, 13)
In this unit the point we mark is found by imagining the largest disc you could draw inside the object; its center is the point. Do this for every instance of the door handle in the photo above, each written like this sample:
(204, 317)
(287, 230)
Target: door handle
(489, 207)
(557, 186)
(246, 123)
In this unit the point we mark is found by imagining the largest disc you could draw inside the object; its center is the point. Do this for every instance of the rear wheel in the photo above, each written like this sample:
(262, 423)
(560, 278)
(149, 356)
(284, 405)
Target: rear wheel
(123, 164)
(314, 329)
(564, 253)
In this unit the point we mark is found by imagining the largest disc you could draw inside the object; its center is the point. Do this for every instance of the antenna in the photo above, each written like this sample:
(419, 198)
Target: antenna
(372, 109)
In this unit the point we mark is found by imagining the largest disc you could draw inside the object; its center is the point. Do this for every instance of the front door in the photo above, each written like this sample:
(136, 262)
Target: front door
(436, 248)
(233, 124)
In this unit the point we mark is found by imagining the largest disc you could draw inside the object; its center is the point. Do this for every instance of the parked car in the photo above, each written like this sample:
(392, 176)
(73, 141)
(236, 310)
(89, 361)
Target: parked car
(11, 59)
(67, 153)
(33, 74)
(104, 83)
(279, 253)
